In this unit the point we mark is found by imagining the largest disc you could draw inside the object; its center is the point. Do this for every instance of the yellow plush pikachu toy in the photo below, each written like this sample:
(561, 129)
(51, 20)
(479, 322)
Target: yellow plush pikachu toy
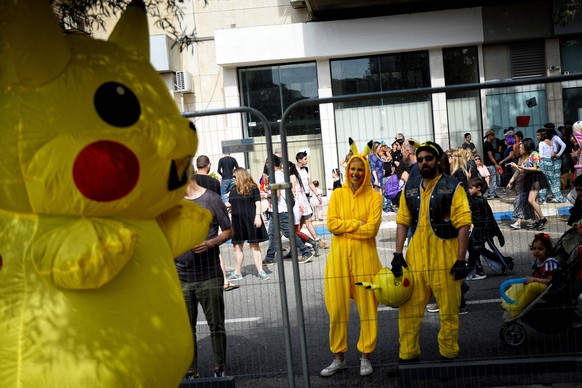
(92, 178)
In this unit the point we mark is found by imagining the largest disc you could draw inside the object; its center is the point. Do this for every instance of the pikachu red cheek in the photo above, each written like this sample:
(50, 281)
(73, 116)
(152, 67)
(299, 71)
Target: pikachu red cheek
(106, 171)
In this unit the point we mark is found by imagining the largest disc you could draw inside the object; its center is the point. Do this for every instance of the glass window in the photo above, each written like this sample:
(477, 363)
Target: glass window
(380, 73)
(381, 118)
(572, 101)
(571, 55)
(273, 89)
(461, 66)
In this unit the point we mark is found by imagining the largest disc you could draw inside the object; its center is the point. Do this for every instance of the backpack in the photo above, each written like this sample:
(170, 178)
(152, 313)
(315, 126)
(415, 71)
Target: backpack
(392, 187)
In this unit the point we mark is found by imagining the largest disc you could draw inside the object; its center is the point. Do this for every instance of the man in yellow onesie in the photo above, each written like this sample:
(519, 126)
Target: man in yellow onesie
(354, 217)
(436, 207)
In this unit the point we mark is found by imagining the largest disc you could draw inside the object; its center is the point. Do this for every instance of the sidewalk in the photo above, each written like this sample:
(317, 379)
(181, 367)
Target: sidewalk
(502, 210)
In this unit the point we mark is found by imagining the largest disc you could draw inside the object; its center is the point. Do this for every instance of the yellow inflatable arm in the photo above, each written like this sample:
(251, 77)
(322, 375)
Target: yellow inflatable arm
(84, 253)
(185, 226)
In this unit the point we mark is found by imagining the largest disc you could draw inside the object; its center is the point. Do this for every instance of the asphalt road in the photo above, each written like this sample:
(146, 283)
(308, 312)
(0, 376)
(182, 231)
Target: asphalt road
(256, 333)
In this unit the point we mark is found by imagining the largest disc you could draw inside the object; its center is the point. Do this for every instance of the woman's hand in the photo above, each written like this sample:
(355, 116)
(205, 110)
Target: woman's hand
(258, 221)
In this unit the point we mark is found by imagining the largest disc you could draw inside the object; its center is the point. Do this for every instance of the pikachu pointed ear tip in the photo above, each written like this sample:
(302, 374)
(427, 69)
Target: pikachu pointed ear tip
(137, 3)
(351, 141)
(371, 143)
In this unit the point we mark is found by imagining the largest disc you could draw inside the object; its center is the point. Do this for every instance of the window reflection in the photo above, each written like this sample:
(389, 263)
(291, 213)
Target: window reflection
(381, 73)
(272, 89)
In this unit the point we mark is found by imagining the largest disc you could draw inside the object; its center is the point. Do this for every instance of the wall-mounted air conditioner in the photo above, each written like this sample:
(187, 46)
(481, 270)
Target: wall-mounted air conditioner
(183, 82)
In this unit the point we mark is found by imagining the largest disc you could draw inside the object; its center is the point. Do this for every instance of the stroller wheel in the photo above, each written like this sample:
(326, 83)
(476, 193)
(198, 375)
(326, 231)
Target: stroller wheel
(513, 334)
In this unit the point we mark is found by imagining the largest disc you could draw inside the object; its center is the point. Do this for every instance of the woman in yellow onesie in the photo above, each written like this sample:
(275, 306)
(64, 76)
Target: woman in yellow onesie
(354, 216)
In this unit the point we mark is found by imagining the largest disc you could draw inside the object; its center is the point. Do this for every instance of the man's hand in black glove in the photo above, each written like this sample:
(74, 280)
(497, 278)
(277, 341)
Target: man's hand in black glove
(397, 263)
(460, 270)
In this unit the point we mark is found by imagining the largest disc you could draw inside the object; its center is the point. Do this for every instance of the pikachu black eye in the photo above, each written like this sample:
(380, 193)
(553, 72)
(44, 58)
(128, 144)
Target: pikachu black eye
(117, 105)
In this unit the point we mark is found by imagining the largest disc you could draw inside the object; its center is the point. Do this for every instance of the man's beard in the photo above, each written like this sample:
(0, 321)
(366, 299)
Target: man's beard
(428, 172)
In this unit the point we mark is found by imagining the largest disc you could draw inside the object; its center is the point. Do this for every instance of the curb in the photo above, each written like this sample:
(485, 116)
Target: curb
(548, 212)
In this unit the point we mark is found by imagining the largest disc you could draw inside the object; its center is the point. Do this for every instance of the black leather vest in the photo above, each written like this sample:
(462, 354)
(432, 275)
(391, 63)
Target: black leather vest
(439, 208)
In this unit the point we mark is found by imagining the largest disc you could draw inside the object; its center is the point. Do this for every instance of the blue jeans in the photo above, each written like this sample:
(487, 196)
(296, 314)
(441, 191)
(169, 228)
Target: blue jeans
(210, 294)
(284, 226)
(494, 179)
(225, 187)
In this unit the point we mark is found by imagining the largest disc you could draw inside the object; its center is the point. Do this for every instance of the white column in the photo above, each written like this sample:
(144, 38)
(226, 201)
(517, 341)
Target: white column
(439, 100)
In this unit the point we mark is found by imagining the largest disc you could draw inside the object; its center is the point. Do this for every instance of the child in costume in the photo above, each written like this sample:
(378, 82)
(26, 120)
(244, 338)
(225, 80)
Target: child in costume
(544, 267)
(314, 202)
(544, 264)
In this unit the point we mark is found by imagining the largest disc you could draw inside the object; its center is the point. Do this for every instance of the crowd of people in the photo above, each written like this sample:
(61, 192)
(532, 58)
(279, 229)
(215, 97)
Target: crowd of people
(538, 170)
(443, 216)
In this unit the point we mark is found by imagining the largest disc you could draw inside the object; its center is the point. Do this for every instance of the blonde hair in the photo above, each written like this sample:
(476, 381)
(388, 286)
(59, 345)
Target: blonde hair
(459, 161)
(244, 182)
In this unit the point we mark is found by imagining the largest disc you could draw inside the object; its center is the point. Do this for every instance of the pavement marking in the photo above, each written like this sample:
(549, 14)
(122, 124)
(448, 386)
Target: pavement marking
(235, 320)
(482, 301)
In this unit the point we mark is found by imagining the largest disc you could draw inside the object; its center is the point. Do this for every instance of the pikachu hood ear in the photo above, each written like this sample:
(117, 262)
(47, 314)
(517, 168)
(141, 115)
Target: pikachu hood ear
(368, 148)
(131, 31)
(364, 153)
(29, 36)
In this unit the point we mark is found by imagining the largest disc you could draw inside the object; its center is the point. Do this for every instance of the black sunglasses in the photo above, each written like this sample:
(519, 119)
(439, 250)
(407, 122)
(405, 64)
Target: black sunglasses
(428, 158)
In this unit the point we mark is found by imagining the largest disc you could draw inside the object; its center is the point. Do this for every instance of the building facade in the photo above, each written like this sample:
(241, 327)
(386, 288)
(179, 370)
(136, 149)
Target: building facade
(268, 54)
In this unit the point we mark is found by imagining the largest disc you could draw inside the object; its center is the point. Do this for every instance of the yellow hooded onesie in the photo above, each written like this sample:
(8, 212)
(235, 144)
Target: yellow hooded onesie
(430, 259)
(353, 258)
(92, 175)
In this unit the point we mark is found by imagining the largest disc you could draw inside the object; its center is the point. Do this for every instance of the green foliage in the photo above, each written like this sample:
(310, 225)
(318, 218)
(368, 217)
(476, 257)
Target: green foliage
(88, 16)
(567, 11)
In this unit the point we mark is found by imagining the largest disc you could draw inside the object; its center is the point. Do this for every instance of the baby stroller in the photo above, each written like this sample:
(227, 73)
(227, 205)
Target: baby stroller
(545, 309)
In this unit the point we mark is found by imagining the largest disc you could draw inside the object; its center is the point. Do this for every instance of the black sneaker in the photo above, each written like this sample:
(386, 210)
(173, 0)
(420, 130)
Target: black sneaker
(542, 224)
(269, 262)
(218, 372)
(496, 196)
(533, 225)
(191, 375)
(288, 255)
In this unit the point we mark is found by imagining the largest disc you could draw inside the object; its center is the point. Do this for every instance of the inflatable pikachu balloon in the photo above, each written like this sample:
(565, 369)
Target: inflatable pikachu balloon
(92, 176)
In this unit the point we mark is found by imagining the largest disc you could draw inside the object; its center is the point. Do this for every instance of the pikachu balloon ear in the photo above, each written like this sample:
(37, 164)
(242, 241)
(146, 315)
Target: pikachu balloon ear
(29, 36)
(131, 31)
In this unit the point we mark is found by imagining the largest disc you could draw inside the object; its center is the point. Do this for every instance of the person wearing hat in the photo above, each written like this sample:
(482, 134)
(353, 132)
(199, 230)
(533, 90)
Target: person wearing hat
(396, 152)
(436, 208)
(491, 156)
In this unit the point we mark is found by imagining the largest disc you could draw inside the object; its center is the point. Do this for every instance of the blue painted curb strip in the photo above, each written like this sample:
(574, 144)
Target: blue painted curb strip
(499, 216)
(504, 216)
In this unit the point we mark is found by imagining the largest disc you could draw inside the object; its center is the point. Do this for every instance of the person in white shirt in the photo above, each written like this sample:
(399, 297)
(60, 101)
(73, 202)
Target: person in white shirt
(546, 151)
(310, 190)
(556, 172)
(306, 255)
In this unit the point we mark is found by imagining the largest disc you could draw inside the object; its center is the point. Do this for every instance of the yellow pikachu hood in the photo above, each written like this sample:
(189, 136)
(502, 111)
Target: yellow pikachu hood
(93, 172)
(363, 156)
